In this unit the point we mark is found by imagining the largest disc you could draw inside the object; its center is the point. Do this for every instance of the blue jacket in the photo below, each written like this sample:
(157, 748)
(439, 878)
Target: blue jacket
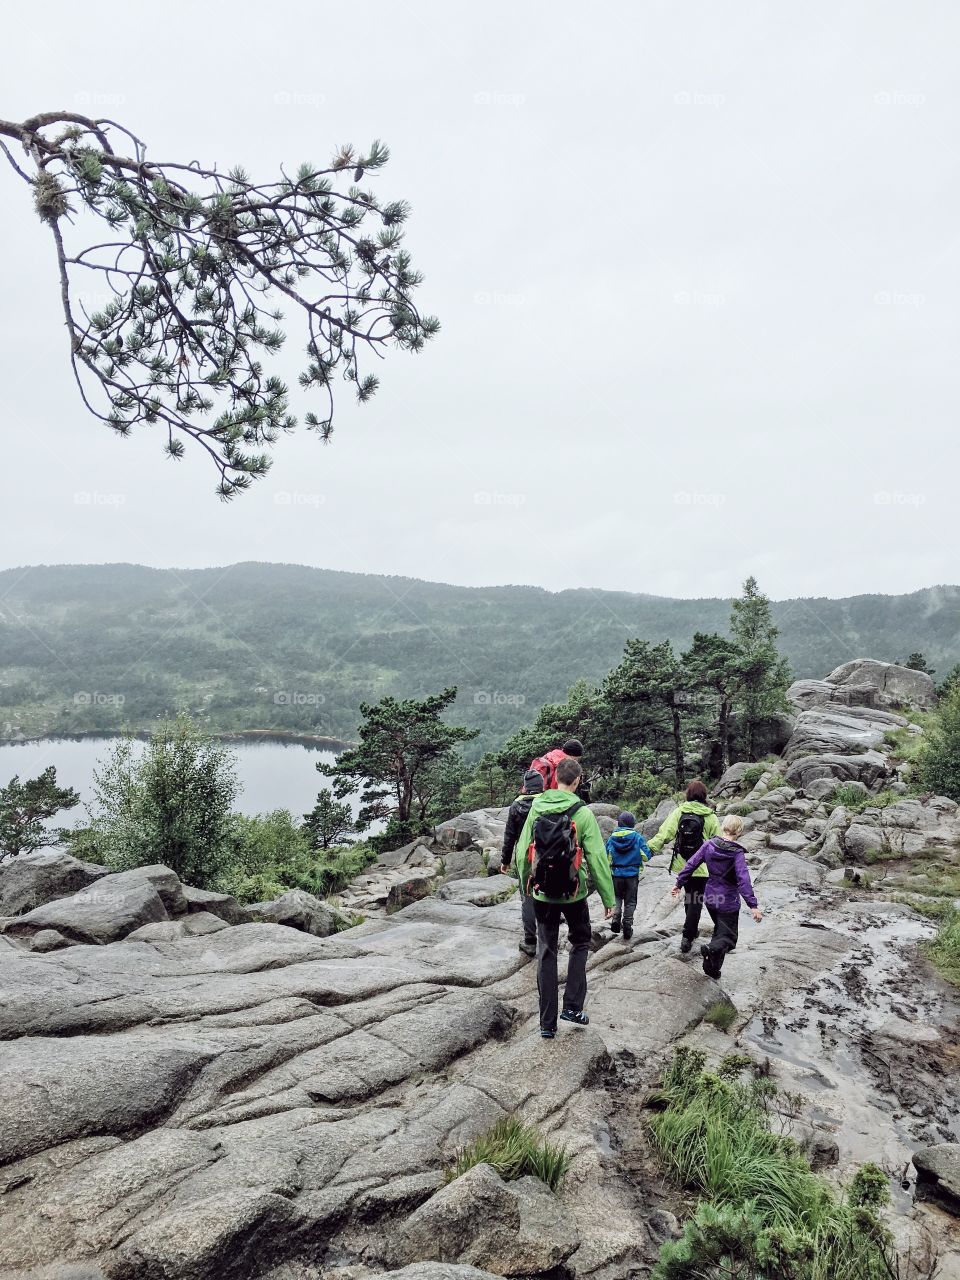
(627, 850)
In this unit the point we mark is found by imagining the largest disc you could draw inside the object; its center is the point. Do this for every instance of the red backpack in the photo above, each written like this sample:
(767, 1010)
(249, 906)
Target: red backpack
(546, 766)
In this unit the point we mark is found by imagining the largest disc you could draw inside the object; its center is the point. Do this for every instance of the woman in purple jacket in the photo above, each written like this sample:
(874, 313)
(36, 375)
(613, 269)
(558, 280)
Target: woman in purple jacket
(728, 882)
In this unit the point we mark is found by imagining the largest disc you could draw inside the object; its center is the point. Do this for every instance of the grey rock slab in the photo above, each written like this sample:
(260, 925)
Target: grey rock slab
(103, 912)
(436, 1271)
(938, 1175)
(165, 881)
(840, 729)
(868, 767)
(482, 891)
(861, 839)
(463, 864)
(223, 905)
(506, 1228)
(35, 878)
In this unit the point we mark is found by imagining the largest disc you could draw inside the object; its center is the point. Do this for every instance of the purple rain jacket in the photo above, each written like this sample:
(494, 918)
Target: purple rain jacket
(729, 876)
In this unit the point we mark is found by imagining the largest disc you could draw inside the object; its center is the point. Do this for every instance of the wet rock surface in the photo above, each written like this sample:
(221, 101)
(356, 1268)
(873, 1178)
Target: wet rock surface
(205, 1097)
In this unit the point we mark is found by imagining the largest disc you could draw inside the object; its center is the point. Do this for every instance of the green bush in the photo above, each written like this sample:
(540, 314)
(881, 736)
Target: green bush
(765, 1214)
(937, 762)
(743, 809)
(514, 1149)
(944, 950)
(856, 801)
(752, 775)
(271, 853)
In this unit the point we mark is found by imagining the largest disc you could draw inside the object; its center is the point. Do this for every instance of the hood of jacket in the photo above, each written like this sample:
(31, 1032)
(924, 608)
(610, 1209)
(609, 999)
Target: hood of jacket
(553, 801)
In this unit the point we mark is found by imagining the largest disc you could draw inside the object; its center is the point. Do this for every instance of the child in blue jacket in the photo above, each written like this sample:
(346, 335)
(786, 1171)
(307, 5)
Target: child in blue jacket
(626, 849)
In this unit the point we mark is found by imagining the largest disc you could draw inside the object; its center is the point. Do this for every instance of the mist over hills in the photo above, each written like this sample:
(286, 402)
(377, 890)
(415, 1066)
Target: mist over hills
(292, 648)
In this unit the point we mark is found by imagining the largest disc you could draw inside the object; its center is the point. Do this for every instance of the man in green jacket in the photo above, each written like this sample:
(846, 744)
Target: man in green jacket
(574, 909)
(690, 824)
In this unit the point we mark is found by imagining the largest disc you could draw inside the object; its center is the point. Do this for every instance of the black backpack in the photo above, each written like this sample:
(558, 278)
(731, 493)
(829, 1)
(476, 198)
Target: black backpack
(555, 854)
(689, 835)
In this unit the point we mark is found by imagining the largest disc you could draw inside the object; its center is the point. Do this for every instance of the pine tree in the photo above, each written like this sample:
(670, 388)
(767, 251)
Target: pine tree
(647, 696)
(713, 668)
(763, 675)
(195, 263)
(329, 823)
(25, 809)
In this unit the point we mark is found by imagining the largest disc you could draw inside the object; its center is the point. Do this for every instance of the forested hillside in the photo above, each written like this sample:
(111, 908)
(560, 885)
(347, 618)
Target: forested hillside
(261, 646)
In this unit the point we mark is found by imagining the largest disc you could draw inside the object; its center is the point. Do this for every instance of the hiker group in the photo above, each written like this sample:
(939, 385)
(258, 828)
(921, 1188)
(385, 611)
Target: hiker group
(553, 845)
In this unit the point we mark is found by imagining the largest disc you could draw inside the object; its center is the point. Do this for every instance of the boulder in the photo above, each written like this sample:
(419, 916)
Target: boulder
(297, 909)
(789, 841)
(938, 1175)
(481, 828)
(606, 810)
(103, 912)
(48, 940)
(894, 685)
(36, 878)
(414, 854)
(165, 881)
(223, 905)
(653, 824)
(507, 1228)
(464, 864)
(194, 925)
(419, 883)
(861, 841)
(732, 780)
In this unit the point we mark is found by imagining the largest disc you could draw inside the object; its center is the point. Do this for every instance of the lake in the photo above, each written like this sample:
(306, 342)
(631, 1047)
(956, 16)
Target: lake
(273, 775)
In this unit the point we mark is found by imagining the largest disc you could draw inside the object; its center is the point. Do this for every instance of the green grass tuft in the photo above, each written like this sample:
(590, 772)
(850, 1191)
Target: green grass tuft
(855, 800)
(764, 1212)
(514, 1149)
(721, 1015)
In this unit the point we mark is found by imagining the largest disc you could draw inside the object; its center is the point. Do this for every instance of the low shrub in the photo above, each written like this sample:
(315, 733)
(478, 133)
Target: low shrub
(765, 1213)
(944, 950)
(752, 774)
(514, 1149)
(855, 800)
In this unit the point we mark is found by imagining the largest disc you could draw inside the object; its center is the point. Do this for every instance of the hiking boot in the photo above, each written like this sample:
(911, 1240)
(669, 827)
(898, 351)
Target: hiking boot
(627, 933)
(574, 1015)
(685, 945)
(528, 946)
(614, 926)
(546, 1033)
(709, 966)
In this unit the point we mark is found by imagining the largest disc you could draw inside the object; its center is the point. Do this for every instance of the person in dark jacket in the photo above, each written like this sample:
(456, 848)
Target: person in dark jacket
(516, 817)
(728, 880)
(626, 849)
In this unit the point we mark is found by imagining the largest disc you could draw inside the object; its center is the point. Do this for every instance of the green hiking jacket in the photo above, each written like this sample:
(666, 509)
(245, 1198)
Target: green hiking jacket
(668, 830)
(594, 865)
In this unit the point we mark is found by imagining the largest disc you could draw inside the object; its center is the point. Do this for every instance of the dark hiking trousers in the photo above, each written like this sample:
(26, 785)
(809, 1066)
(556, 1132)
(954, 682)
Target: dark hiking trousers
(577, 916)
(528, 917)
(726, 926)
(625, 888)
(693, 908)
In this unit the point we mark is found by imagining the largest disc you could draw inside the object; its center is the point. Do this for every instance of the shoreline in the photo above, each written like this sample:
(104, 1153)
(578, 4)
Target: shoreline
(281, 736)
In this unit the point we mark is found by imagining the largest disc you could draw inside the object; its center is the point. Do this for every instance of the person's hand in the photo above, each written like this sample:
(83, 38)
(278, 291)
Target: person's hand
(675, 891)
(607, 912)
(756, 913)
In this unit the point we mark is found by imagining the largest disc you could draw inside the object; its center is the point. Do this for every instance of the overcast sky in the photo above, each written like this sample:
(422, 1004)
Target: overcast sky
(696, 265)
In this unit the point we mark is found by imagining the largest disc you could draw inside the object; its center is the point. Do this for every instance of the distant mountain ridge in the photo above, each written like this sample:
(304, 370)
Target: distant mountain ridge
(289, 647)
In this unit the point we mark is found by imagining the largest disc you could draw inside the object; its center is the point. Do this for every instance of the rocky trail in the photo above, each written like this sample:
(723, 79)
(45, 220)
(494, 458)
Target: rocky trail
(195, 1090)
